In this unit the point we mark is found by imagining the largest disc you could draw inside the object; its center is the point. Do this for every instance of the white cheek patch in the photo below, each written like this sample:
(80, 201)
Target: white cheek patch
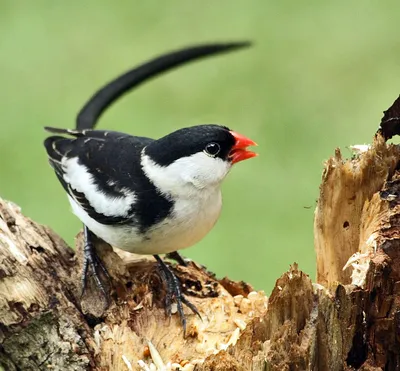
(206, 170)
(198, 170)
(78, 176)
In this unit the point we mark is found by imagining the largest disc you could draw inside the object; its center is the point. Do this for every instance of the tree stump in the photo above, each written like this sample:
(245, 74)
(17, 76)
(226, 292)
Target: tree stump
(349, 319)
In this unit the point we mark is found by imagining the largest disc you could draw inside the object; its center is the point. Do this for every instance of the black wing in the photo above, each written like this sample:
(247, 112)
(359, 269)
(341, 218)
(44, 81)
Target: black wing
(111, 159)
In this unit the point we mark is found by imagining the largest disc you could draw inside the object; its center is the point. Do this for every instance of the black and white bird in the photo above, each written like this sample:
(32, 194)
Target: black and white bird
(142, 195)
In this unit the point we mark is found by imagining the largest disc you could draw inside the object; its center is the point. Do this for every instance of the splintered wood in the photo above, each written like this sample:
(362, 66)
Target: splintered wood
(350, 211)
(349, 319)
(45, 325)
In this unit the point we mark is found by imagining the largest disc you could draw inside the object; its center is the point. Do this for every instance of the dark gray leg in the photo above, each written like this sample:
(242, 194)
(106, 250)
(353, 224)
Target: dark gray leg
(174, 291)
(178, 258)
(93, 261)
(185, 261)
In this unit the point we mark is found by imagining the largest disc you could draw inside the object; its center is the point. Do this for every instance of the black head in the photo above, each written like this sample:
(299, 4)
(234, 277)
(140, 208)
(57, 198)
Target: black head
(214, 140)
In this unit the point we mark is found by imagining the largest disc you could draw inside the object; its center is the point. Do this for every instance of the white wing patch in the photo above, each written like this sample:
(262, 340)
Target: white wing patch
(78, 176)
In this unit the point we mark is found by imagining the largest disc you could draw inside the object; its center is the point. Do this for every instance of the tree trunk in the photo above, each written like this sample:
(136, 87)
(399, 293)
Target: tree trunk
(349, 319)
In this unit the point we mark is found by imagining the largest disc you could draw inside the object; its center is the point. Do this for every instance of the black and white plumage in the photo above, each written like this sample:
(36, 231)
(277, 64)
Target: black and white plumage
(143, 195)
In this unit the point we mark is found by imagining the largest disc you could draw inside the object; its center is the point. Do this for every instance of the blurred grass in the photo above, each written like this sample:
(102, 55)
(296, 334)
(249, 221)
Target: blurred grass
(318, 78)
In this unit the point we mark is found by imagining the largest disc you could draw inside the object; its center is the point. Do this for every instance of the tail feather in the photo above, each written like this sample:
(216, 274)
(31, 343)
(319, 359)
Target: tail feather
(75, 133)
(108, 94)
(57, 147)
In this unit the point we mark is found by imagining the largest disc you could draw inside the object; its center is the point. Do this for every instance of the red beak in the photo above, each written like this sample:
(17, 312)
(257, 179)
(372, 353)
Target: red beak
(239, 151)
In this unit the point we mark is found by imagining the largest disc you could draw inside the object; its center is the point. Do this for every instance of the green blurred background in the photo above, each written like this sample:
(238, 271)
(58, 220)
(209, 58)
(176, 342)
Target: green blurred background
(318, 78)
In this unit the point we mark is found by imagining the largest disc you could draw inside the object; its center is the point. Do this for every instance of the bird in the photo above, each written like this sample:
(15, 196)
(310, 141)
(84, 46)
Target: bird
(143, 195)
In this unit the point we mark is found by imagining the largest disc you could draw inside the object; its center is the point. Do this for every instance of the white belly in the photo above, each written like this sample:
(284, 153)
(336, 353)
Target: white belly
(189, 222)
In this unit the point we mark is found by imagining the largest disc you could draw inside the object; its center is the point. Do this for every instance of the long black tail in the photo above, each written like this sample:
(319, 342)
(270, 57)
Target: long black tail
(102, 99)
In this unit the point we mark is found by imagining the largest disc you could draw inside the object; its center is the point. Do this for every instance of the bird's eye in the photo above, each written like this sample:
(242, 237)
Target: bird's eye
(212, 149)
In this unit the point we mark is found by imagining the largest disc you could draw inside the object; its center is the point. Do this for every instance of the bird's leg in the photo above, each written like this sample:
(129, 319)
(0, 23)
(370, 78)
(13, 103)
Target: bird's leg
(93, 261)
(174, 255)
(174, 291)
(185, 261)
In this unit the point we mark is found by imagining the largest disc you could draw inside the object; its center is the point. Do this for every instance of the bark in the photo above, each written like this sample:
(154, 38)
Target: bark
(348, 319)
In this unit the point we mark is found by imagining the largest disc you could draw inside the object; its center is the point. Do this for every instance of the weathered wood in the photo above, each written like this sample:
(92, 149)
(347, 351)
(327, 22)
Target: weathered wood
(346, 215)
(356, 240)
(44, 325)
(349, 319)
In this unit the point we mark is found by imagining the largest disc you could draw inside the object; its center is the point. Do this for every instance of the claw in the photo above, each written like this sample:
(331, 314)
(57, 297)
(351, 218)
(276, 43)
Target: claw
(168, 297)
(93, 261)
(174, 290)
(191, 306)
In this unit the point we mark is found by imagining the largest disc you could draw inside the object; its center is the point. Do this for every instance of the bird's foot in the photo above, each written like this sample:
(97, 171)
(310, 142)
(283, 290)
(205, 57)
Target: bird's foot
(97, 267)
(174, 291)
